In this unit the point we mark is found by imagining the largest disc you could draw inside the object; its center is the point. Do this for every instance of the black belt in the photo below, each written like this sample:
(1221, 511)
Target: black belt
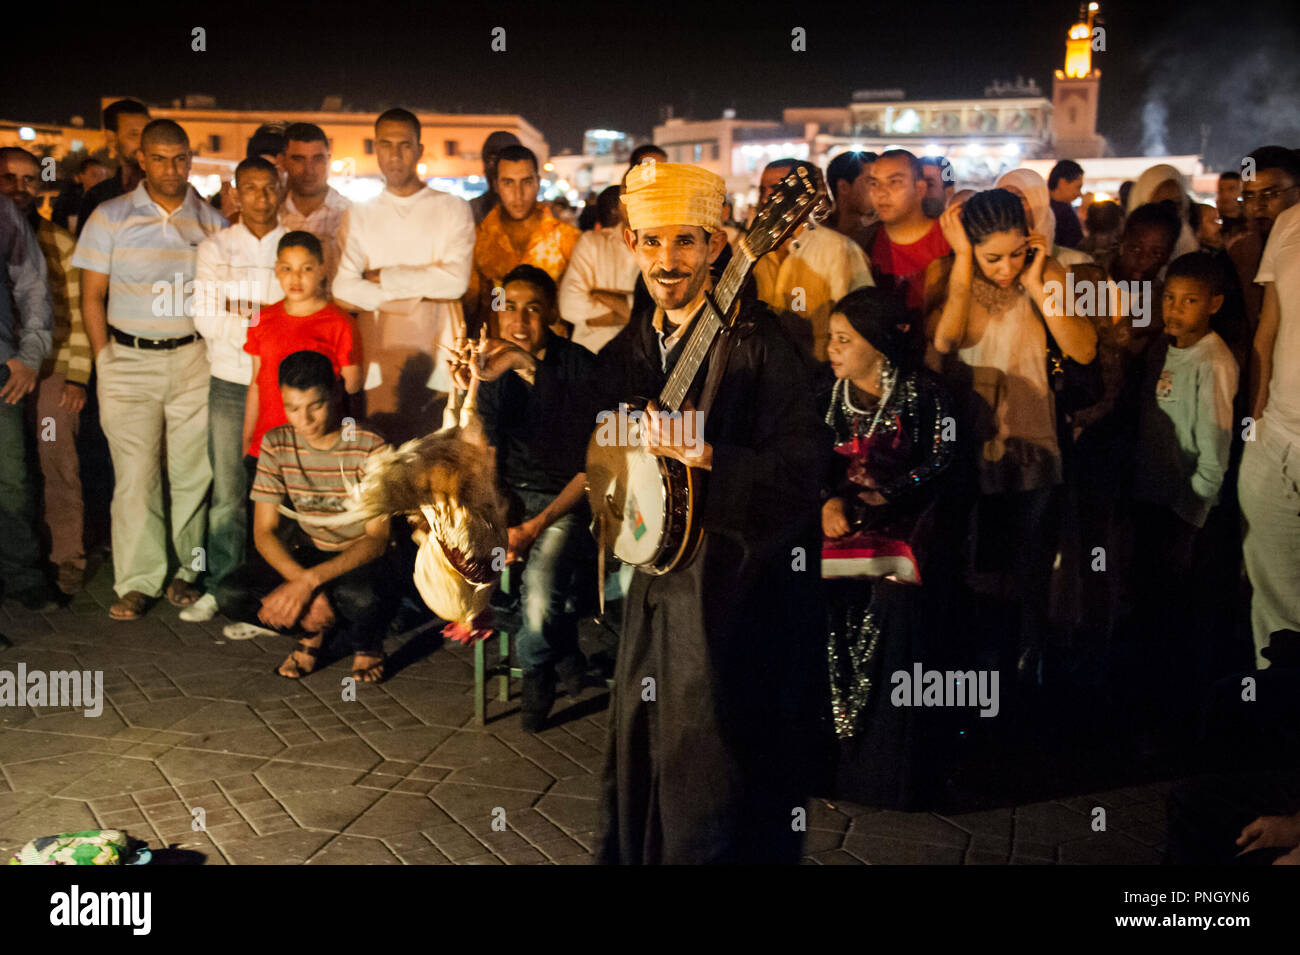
(151, 344)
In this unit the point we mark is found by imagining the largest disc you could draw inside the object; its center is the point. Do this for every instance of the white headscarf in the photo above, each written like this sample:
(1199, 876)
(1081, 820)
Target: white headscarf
(1039, 198)
(1145, 188)
(1150, 181)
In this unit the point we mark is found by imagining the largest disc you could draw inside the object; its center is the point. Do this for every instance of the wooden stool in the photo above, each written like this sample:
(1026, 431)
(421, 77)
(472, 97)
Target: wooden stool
(501, 668)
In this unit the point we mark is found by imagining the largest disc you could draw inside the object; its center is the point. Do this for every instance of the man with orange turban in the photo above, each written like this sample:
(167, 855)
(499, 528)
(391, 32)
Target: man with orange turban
(713, 738)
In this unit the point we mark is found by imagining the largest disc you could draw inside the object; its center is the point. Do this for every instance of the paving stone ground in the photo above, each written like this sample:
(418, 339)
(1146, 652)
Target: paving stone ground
(287, 772)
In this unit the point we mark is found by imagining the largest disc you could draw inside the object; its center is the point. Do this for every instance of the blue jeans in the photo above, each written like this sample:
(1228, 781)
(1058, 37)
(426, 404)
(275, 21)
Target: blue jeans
(228, 513)
(19, 554)
(558, 575)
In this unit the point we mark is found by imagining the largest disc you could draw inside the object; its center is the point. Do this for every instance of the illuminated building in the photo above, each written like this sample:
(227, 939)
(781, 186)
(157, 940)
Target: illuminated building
(982, 137)
(451, 162)
(720, 145)
(50, 139)
(601, 163)
(1075, 90)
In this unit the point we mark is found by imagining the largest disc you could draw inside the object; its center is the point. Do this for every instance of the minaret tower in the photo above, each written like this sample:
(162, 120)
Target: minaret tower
(1075, 90)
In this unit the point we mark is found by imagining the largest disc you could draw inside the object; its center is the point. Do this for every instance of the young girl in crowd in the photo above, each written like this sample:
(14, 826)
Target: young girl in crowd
(889, 418)
(305, 320)
(991, 330)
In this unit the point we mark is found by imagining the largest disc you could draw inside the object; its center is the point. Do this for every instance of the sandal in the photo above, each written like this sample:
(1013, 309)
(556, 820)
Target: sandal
(369, 674)
(130, 606)
(182, 593)
(299, 671)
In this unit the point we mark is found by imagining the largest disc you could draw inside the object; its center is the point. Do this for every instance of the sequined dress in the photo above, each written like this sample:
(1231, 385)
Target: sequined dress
(875, 626)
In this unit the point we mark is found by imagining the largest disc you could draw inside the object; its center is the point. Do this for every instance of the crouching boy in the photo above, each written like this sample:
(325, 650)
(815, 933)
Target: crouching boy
(313, 580)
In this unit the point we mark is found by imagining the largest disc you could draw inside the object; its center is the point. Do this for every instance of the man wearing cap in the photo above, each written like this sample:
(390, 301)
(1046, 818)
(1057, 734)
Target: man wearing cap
(712, 743)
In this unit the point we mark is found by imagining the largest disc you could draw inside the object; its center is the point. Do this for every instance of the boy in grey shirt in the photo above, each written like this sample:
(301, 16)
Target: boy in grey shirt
(1185, 424)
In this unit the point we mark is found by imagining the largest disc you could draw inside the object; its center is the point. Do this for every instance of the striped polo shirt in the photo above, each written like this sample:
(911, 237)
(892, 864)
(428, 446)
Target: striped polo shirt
(312, 480)
(148, 256)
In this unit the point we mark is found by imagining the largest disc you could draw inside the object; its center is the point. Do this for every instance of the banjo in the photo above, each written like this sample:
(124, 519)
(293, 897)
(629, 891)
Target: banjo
(646, 508)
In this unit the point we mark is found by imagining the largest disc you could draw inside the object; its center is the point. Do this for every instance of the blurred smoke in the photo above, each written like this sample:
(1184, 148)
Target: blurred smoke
(1234, 68)
(1154, 129)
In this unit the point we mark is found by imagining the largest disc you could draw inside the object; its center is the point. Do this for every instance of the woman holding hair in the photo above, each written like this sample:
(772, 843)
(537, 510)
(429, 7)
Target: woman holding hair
(892, 441)
(996, 312)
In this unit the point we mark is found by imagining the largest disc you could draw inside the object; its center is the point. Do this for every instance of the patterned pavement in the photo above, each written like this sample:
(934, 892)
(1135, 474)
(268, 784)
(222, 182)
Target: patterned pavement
(288, 772)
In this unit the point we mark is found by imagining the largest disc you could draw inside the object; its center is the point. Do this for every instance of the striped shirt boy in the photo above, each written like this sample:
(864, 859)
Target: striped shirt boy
(313, 479)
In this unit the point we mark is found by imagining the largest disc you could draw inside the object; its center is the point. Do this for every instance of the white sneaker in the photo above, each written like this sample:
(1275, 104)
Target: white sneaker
(202, 610)
(246, 631)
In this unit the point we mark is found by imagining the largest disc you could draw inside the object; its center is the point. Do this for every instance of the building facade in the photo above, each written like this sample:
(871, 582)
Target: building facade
(983, 137)
(452, 142)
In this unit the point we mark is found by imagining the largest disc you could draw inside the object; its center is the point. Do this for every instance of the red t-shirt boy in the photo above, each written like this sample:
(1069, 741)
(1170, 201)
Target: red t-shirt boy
(304, 321)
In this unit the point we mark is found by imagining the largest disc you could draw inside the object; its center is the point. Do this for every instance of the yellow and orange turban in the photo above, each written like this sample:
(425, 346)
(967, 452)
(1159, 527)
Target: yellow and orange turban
(657, 194)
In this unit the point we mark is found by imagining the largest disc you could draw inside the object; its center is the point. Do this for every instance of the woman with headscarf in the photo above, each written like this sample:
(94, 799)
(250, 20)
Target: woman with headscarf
(993, 325)
(1161, 183)
(888, 416)
(1034, 195)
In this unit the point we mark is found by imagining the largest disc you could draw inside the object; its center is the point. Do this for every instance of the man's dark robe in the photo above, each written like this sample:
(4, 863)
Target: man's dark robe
(713, 761)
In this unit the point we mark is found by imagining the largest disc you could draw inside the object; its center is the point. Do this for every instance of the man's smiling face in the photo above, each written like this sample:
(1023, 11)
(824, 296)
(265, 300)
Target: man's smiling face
(674, 261)
(526, 316)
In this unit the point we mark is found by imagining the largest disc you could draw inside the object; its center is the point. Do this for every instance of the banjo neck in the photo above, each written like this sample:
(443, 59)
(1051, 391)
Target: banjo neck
(707, 327)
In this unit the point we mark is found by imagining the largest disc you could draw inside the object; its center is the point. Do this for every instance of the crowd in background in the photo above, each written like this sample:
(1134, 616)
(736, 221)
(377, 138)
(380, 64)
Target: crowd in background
(1062, 436)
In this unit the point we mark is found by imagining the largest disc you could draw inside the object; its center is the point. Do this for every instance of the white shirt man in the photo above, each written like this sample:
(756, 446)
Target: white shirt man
(323, 222)
(1267, 486)
(234, 271)
(418, 251)
(815, 270)
(601, 262)
(233, 265)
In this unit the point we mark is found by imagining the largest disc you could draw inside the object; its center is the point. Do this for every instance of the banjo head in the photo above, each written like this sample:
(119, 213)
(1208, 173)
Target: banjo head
(627, 492)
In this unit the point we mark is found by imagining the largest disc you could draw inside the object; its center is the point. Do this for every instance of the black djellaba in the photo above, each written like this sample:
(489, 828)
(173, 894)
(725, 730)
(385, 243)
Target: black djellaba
(715, 727)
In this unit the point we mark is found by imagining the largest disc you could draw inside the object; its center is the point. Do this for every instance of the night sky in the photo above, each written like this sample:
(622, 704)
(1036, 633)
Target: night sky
(1168, 67)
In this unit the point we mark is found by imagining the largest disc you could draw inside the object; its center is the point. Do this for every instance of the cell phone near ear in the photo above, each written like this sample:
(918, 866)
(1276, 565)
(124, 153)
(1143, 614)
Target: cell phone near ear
(1030, 255)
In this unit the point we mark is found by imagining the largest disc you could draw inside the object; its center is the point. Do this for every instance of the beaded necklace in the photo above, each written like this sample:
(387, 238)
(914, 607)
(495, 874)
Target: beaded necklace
(888, 378)
(994, 298)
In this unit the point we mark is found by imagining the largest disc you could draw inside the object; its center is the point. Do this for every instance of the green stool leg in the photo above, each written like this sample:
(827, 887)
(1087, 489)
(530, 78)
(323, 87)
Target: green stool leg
(504, 691)
(480, 685)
